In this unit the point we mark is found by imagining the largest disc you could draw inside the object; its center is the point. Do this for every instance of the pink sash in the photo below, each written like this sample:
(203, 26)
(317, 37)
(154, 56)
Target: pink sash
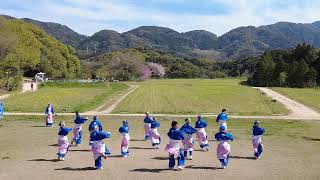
(49, 118)
(188, 144)
(223, 150)
(147, 129)
(155, 136)
(125, 143)
(63, 144)
(76, 131)
(97, 148)
(256, 140)
(173, 147)
(201, 136)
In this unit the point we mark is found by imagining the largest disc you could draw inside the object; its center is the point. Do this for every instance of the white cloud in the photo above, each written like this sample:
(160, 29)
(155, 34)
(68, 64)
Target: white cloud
(89, 16)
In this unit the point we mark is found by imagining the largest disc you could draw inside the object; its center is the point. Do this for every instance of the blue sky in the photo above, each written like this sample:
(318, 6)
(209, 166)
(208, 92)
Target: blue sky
(217, 16)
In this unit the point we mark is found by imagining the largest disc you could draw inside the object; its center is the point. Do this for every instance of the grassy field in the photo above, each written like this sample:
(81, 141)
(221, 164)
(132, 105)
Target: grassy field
(198, 96)
(65, 97)
(291, 152)
(308, 96)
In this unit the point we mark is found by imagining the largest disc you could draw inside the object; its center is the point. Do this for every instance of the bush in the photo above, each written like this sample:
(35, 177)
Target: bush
(11, 84)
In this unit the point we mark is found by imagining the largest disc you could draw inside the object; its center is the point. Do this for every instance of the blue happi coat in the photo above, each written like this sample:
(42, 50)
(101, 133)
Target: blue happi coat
(224, 136)
(188, 129)
(175, 134)
(63, 131)
(222, 117)
(256, 131)
(148, 119)
(80, 120)
(201, 124)
(155, 124)
(124, 129)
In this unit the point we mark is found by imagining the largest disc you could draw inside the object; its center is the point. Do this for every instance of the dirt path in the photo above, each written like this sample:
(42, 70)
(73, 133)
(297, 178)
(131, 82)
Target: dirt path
(109, 106)
(4, 96)
(297, 110)
(26, 86)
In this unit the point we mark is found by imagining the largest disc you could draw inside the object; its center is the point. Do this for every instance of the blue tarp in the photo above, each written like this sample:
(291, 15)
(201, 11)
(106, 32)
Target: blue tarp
(1, 109)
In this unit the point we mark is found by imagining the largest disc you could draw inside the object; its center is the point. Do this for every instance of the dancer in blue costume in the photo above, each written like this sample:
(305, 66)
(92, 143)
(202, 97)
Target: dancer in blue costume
(92, 125)
(188, 141)
(98, 148)
(124, 132)
(77, 130)
(49, 112)
(223, 148)
(223, 118)
(154, 134)
(63, 143)
(201, 133)
(173, 148)
(147, 120)
(257, 133)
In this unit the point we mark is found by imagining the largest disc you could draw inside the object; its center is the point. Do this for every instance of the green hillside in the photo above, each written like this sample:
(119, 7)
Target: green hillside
(26, 49)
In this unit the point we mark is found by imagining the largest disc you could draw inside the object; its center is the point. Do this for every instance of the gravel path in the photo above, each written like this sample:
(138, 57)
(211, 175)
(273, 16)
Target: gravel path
(297, 110)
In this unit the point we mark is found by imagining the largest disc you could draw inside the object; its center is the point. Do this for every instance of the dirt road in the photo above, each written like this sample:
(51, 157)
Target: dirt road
(297, 110)
(109, 106)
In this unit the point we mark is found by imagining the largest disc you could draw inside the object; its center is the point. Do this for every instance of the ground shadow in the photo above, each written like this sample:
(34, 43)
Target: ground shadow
(79, 150)
(310, 139)
(137, 140)
(53, 145)
(7, 157)
(115, 156)
(200, 150)
(141, 148)
(149, 170)
(38, 126)
(242, 157)
(202, 167)
(161, 158)
(76, 169)
(44, 160)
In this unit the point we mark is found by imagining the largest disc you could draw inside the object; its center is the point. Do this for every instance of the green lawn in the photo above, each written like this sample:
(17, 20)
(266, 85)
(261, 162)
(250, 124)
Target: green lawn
(308, 96)
(65, 97)
(198, 96)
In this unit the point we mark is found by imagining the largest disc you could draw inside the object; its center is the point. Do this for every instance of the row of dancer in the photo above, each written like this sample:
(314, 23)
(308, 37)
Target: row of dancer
(97, 135)
(176, 135)
(98, 148)
(223, 149)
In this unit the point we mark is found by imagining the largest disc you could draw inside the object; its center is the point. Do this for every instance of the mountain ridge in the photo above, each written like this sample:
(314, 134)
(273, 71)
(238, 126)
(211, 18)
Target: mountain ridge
(243, 41)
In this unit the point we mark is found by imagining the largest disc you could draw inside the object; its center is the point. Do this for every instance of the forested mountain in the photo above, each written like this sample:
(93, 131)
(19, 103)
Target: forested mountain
(239, 42)
(61, 32)
(248, 41)
(298, 67)
(26, 49)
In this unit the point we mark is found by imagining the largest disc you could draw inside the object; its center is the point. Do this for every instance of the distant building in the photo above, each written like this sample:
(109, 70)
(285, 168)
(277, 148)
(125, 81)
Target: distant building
(40, 77)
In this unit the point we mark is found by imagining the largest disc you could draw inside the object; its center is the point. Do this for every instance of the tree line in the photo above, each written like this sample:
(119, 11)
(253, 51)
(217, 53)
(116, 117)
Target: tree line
(298, 67)
(26, 49)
